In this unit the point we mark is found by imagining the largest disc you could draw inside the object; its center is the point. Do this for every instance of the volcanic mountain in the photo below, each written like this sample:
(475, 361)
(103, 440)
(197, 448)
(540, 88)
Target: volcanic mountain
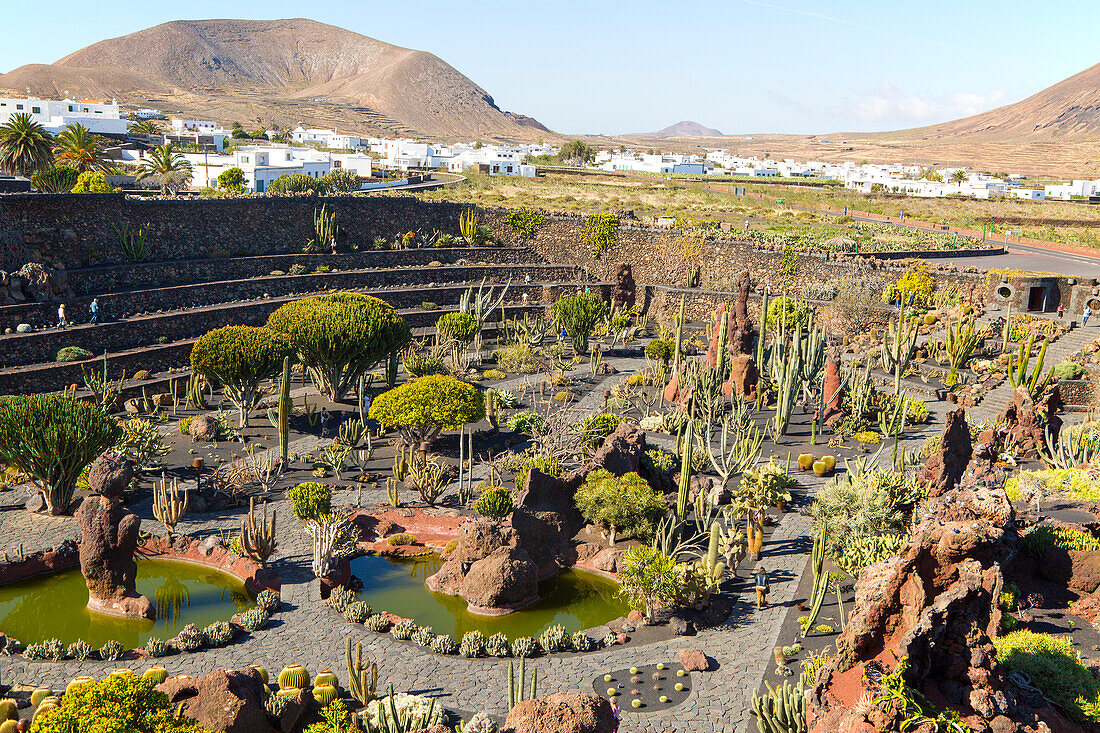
(686, 128)
(281, 72)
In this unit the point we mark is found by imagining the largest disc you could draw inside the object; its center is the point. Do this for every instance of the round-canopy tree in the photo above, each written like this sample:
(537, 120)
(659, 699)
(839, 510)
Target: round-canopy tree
(578, 315)
(240, 357)
(339, 336)
(420, 409)
(623, 504)
(232, 180)
(649, 578)
(459, 329)
(52, 438)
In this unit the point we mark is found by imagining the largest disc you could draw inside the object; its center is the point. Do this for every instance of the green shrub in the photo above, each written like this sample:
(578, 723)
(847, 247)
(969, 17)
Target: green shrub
(1074, 482)
(1069, 370)
(92, 182)
(1066, 538)
(593, 430)
(865, 551)
(142, 442)
(240, 358)
(460, 327)
(184, 425)
(232, 180)
(424, 407)
(58, 179)
(429, 306)
(919, 283)
(1055, 668)
(118, 704)
(527, 421)
(626, 504)
(73, 353)
(52, 438)
(797, 313)
(297, 183)
(649, 577)
(661, 350)
(339, 336)
(495, 503)
(421, 365)
(549, 466)
(871, 503)
(297, 269)
(578, 315)
(524, 222)
(400, 539)
(494, 374)
(517, 358)
(310, 500)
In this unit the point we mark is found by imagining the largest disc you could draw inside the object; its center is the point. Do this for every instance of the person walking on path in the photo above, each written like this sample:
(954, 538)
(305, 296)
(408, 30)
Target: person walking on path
(94, 308)
(760, 577)
(1061, 311)
(324, 422)
(1085, 315)
(61, 321)
(617, 712)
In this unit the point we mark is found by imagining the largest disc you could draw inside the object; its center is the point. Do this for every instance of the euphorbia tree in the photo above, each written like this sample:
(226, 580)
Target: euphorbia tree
(578, 315)
(339, 336)
(52, 438)
(419, 410)
(649, 577)
(760, 488)
(620, 503)
(240, 358)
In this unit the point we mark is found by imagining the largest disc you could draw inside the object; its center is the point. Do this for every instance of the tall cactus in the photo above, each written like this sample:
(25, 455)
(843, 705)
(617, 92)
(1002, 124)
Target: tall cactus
(679, 338)
(1018, 373)
(723, 337)
(782, 710)
(362, 679)
(285, 406)
(168, 505)
(787, 377)
(258, 538)
(960, 341)
(821, 579)
(516, 689)
(898, 349)
(685, 472)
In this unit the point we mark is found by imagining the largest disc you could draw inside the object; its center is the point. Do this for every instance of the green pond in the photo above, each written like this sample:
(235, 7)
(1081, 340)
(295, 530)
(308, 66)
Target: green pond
(576, 600)
(55, 606)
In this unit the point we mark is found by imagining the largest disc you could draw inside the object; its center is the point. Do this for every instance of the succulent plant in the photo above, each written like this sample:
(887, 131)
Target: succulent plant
(424, 636)
(293, 675)
(218, 633)
(497, 646)
(340, 597)
(190, 639)
(473, 644)
(111, 652)
(79, 649)
(324, 694)
(377, 622)
(444, 644)
(155, 647)
(582, 642)
(268, 601)
(326, 677)
(611, 639)
(253, 619)
(156, 675)
(274, 705)
(524, 646)
(404, 629)
(554, 639)
(39, 694)
(357, 612)
(9, 709)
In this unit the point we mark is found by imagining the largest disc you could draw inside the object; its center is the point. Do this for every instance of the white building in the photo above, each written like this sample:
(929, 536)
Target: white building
(1029, 194)
(182, 125)
(262, 164)
(1067, 191)
(325, 138)
(147, 113)
(55, 115)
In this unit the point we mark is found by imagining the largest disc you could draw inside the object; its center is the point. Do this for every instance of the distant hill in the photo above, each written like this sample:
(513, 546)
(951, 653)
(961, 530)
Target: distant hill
(685, 128)
(281, 72)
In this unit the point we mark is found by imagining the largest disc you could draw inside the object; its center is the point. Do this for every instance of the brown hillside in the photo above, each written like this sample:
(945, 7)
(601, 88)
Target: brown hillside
(281, 71)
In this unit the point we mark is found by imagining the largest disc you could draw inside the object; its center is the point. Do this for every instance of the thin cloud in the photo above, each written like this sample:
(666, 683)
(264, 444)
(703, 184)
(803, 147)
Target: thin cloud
(840, 21)
(889, 104)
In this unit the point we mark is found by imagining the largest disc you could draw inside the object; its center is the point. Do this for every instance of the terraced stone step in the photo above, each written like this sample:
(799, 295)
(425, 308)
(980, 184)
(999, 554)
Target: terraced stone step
(21, 349)
(121, 304)
(172, 360)
(136, 275)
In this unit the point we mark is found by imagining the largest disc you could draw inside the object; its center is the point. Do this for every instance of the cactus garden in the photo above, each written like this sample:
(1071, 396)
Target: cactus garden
(550, 494)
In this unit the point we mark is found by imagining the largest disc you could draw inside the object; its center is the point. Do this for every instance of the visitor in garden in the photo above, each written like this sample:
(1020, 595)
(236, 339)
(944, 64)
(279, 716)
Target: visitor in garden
(527, 278)
(1061, 311)
(61, 321)
(760, 577)
(332, 244)
(94, 308)
(617, 712)
(1085, 315)
(324, 422)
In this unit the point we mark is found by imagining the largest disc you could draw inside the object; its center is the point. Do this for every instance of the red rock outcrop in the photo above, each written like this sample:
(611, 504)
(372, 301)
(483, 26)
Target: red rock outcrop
(742, 338)
(232, 702)
(1028, 420)
(945, 467)
(833, 389)
(625, 293)
(621, 452)
(743, 379)
(489, 569)
(561, 713)
(934, 605)
(108, 538)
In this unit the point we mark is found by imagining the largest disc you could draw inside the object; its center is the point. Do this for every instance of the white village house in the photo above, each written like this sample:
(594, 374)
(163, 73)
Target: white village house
(55, 115)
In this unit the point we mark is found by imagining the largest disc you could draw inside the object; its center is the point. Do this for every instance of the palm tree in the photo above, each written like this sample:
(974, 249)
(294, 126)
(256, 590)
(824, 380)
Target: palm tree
(144, 127)
(24, 145)
(173, 170)
(959, 176)
(78, 148)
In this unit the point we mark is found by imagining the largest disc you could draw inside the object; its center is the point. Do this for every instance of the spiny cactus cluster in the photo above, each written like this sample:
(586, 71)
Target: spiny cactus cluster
(268, 601)
(155, 647)
(254, 619)
(218, 633)
(473, 644)
(190, 639)
(444, 644)
(377, 623)
(403, 630)
(357, 612)
(498, 646)
(554, 639)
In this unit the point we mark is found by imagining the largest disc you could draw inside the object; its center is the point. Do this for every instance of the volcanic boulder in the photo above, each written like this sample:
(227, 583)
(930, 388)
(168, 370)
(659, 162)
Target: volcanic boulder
(946, 466)
(625, 293)
(488, 568)
(232, 701)
(561, 713)
(1028, 421)
(108, 537)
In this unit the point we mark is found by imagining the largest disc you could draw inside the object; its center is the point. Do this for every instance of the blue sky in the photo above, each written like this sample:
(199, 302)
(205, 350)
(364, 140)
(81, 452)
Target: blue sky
(741, 66)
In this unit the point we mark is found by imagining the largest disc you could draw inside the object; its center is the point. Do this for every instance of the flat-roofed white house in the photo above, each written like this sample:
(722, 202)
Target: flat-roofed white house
(57, 114)
(325, 138)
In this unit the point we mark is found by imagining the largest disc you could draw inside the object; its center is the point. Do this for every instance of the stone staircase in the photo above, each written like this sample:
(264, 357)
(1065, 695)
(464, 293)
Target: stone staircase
(995, 401)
